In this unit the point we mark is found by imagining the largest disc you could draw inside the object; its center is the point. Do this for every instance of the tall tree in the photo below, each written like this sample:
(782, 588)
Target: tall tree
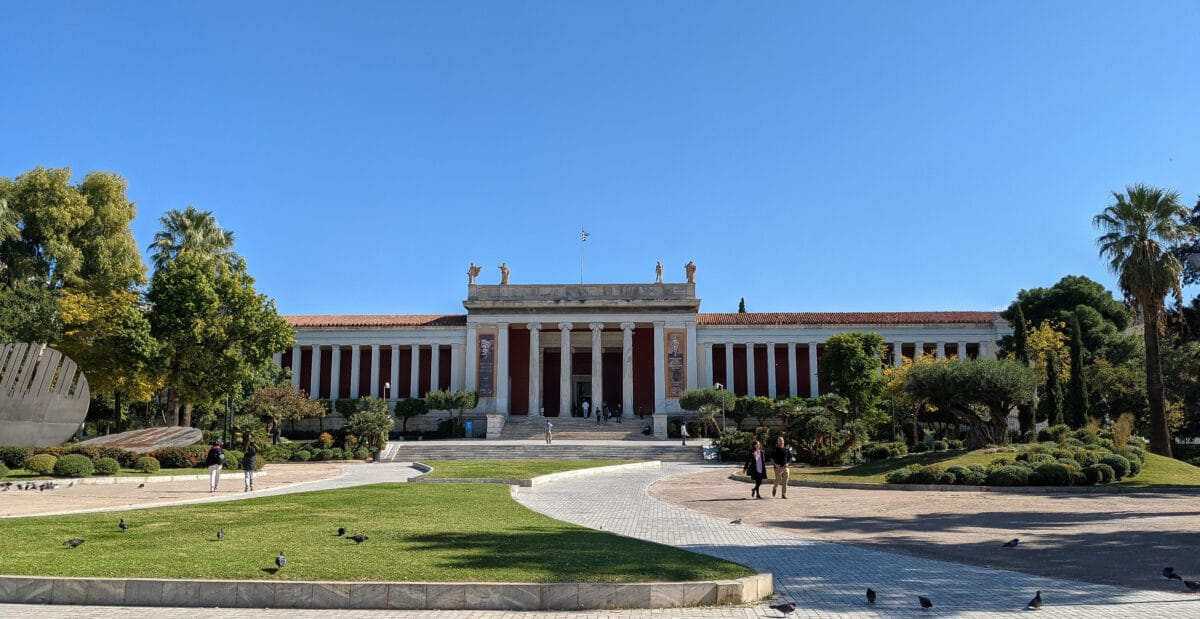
(852, 364)
(980, 393)
(742, 305)
(190, 230)
(1050, 406)
(1189, 252)
(1020, 352)
(1140, 230)
(1077, 398)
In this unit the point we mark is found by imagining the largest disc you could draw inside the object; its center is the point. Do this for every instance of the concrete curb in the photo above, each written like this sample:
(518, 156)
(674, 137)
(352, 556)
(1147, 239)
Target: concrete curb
(149, 479)
(381, 595)
(999, 489)
(535, 481)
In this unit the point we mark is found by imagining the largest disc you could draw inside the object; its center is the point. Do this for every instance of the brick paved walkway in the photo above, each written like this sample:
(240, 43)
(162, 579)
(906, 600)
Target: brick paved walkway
(824, 579)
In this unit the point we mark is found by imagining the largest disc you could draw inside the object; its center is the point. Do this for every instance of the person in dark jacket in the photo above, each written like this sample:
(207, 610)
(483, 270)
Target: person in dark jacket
(781, 458)
(248, 463)
(215, 461)
(756, 468)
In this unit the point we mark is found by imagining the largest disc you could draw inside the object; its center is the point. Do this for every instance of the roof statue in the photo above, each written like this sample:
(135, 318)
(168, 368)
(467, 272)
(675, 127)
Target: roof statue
(473, 272)
(690, 268)
(658, 272)
(503, 273)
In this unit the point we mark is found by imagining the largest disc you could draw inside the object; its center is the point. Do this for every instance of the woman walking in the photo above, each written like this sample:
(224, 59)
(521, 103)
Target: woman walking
(756, 468)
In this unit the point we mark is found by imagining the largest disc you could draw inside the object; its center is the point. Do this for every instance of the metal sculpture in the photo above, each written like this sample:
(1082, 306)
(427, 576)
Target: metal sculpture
(44, 396)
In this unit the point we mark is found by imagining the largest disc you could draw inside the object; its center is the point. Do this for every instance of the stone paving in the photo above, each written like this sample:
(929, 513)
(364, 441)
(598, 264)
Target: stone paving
(823, 579)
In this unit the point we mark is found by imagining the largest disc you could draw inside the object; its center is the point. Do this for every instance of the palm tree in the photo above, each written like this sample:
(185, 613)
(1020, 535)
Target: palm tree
(1140, 230)
(190, 230)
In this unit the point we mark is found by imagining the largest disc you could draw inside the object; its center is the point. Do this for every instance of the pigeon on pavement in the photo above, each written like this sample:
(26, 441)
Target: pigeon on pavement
(1192, 585)
(1036, 602)
(738, 521)
(926, 603)
(785, 608)
(281, 560)
(1169, 574)
(140, 486)
(74, 542)
(870, 595)
(1012, 543)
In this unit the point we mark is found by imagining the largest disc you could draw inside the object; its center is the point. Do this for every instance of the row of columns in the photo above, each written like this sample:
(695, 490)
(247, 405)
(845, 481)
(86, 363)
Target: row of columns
(940, 352)
(335, 369)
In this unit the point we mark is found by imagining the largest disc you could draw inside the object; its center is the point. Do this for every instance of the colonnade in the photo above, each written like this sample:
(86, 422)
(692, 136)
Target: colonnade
(373, 388)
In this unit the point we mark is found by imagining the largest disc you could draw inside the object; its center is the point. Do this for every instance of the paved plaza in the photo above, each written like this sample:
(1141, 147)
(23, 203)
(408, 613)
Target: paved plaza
(824, 579)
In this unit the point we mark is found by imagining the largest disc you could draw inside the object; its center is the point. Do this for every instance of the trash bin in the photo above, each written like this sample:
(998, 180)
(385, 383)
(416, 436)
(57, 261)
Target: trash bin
(470, 429)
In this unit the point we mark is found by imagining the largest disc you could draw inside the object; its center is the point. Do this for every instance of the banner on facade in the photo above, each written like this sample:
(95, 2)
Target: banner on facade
(676, 352)
(487, 365)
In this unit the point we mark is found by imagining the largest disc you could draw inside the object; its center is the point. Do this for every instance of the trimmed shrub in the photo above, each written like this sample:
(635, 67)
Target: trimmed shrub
(107, 466)
(1119, 465)
(921, 448)
(74, 465)
(14, 457)
(1099, 473)
(1135, 467)
(1009, 475)
(939, 446)
(931, 474)
(41, 464)
(956, 443)
(883, 451)
(901, 476)
(233, 459)
(3, 471)
(1071, 442)
(147, 464)
(1051, 474)
(326, 440)
(1003, 461)
(188, 457)
(302, 455)
(362, 453)
(92, 453)
(976, 475)
(959, 473)
(1054, 433)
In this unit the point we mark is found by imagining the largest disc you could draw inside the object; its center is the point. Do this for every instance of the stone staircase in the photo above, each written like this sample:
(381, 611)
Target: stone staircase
(420, 451)
(522, 428)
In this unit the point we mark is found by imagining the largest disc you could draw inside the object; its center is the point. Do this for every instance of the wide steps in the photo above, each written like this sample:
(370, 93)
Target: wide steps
(533, 428)
(418, 451)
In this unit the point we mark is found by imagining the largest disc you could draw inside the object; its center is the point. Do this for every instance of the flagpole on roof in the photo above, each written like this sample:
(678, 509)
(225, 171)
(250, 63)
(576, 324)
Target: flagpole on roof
(583, 237)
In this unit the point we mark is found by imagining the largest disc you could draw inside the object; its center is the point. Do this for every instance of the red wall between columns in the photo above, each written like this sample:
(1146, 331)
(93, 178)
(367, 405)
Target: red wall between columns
(803, 387)
(385, 371)
(344, 378)
(444, 368)
(364, 371)
(550, 377)
(739, 372)
(611, 379)
(761, 378)
(326, 373)
(425, 375)
(718, 368)
(643, 369)
(306, 370)
(518, 370)
(782, 372)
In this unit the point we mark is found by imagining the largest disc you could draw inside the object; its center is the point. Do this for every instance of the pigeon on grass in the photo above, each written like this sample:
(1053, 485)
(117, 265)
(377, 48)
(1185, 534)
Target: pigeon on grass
(122, 526)
(358, 539)
(220, 534)
(341, 531)
(74, 542)
(281, 560)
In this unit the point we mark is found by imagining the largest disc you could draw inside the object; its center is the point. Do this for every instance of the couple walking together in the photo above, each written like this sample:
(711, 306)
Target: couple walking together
(756, 467)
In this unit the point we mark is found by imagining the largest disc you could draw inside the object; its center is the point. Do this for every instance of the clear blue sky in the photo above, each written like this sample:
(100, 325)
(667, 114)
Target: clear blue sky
(868, 156)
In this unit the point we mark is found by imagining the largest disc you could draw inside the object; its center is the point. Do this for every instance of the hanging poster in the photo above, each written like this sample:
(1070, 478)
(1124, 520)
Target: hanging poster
(676, 352)
(487, 365)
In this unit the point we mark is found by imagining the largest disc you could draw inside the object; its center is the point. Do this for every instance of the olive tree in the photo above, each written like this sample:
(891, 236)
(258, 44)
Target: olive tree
(979, 393)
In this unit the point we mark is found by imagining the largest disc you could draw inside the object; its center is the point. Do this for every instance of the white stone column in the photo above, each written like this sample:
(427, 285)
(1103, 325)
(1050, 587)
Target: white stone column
(296, 367)
(535, 368)
(984, 351)
(335, 372)
(435, 367)
(627, 369)
(750, 370)
(564, 370)
(355, 361)
(897, 354)
(414, 371)
(314, 384)
(394, 375)
(690, 351)
(729, 365)
(941, 351)
(502, 377)
(374, 371)
(918, 351)
(793, 375)
(597, 365)
(708, 369)
(455, 370)
(660, 387)
(472, 360)
(962, 351)
(771, 370)
(814, 382)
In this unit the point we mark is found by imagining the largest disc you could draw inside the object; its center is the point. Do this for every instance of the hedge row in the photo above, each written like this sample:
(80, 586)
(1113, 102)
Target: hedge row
(1041, 464)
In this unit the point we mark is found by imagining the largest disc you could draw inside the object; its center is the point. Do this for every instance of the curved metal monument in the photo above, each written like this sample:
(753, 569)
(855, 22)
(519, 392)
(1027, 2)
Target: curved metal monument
(44, 396)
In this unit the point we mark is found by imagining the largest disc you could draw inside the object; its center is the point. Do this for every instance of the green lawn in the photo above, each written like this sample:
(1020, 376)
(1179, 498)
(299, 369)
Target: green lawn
(1158, 472)
(418, 532)
(509, 469)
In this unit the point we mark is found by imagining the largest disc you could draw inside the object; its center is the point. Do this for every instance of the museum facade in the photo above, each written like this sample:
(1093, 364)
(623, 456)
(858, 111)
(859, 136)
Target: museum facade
(543, 350)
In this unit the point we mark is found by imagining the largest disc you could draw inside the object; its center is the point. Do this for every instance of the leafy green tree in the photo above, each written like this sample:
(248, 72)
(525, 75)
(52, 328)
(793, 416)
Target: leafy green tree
(1188, 252)
(1020, 337)
(458, 401)
(760, 408)
(709, 402)
(1077, 395)
(852, 365)
(191, 231)
(980, 393)
(1181, 369)
(1050, 406)
(371, 423)
(1140, 230)
(29, 313)
(275, 404)
(408, 408)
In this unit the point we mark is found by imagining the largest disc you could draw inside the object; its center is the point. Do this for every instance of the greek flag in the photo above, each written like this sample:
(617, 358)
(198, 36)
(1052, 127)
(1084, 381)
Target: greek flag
(583, 235)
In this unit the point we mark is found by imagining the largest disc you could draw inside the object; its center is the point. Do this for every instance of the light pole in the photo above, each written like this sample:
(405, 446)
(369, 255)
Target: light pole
(387, 393)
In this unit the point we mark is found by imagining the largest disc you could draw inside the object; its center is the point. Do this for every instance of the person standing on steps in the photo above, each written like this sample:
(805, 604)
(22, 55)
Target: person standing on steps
(756, 468)
(683, 432)
(549, 432)
(587, 409)
(781, 458)
(215, 461)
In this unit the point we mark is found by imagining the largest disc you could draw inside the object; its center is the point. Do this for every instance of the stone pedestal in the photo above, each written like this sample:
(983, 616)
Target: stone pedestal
(495, 425)
(660, 426)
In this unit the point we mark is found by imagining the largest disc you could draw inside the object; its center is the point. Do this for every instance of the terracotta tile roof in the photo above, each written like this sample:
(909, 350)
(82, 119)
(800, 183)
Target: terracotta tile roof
(846, 318)
(400, 320)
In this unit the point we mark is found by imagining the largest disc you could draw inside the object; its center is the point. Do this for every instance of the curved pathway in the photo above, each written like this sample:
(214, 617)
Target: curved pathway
(824, 579)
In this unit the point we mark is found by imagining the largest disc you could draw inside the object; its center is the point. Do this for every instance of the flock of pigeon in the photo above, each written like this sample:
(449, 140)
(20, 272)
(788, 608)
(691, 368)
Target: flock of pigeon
(30, 485)
(1034, 604)
(280, 559)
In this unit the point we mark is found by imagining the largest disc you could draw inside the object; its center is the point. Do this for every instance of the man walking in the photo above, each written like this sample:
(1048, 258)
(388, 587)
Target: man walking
(549, 432)
(683, 432)
(781, 457)
(215, 460)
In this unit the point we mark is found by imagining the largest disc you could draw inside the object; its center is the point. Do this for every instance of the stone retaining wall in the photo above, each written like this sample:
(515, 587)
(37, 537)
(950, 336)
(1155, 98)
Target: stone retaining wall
(535, 481)
(381, 596)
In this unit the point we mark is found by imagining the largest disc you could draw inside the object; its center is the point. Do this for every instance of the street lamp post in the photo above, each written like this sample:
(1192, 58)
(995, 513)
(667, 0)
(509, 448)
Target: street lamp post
(387, 393)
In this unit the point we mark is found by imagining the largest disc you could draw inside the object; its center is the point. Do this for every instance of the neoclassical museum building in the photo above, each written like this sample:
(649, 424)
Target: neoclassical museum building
(543, 350)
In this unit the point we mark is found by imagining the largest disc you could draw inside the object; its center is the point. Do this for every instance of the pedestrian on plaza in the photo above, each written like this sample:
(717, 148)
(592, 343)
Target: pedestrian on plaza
(781, 458)
(756, 468)
(618, 413)
(587, 409)
(549, 432)
(248, 463)
(683, 432)
(215, 461)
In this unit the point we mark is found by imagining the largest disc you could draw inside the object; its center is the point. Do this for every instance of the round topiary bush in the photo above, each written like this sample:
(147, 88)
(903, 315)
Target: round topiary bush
(107, 466)
(146, 464)
(1051, 474)
(74, 465)
(931, 474)
(939, 446)
(40, 464)
(233, 459)
(1135, 467)
(301, 456)
(1009, 475)
(362, 453)
(921, 448)
(1098, 473)
(901, 476)
(1119, 465)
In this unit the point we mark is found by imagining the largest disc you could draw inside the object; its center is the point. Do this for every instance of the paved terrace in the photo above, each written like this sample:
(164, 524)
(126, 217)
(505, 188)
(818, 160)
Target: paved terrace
(824, 579)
